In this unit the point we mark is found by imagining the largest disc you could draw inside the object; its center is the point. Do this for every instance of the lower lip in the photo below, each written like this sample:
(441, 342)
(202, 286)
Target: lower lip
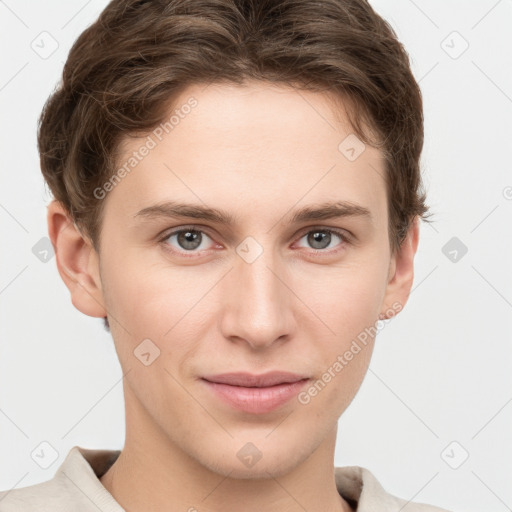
(256, 400)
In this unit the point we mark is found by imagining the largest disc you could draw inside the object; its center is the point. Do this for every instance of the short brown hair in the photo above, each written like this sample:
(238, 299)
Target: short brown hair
(124, 70)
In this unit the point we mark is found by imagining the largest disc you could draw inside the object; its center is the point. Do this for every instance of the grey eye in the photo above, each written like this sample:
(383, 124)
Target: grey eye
(188, 240)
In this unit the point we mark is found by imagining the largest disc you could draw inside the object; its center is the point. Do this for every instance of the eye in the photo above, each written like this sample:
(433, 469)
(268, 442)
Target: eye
(191, 240)
(321, 238)
(187, 240)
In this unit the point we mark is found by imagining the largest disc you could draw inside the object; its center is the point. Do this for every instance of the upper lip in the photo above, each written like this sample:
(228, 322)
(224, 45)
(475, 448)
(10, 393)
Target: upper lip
(251, 380)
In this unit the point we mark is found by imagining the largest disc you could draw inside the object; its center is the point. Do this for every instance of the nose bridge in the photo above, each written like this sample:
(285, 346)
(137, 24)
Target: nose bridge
(258, 309)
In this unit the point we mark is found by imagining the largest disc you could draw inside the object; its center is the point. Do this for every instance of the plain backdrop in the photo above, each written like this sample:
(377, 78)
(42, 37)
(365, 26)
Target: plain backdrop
(433, 417)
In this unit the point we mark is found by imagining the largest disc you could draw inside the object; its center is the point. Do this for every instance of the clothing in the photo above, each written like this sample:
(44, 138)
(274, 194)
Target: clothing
(76, 488)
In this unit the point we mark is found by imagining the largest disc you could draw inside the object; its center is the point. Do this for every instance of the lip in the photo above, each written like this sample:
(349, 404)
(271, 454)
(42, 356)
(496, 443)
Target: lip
(256, 394)
(250, 380)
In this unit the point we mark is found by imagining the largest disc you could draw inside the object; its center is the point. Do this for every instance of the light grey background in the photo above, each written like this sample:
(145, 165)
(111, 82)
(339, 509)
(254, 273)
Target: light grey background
(441, 370)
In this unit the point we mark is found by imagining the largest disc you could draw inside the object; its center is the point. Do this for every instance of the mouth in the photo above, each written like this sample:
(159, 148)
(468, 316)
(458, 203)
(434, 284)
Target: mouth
(256, 394)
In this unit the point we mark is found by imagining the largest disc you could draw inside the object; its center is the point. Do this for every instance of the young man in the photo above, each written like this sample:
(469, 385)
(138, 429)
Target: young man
(237, 192)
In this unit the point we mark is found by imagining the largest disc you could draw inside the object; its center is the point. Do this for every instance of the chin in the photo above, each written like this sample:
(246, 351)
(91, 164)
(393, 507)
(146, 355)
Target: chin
(260, 471)
(247, 461)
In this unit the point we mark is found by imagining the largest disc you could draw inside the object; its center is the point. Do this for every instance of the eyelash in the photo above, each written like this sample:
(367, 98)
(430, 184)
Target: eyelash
(341, 234)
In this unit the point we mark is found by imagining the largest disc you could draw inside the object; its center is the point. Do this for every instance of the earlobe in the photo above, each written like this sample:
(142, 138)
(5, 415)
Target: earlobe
(77, 262)
(401, 273)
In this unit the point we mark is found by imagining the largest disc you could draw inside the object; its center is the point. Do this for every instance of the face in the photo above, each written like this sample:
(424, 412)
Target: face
(274, 289)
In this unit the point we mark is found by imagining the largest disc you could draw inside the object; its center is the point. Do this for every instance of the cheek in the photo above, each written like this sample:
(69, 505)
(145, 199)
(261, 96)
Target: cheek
(341, 361)
(348, 306)
(148, 292)
(156, 319)
(339, 384)
(346, 299)
(153, 300)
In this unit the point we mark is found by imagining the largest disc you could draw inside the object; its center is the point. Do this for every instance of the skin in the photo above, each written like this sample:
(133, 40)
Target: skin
(214, 312)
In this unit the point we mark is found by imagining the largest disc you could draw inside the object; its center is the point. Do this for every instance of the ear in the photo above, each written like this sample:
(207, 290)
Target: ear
(401, 272)
(77, 262)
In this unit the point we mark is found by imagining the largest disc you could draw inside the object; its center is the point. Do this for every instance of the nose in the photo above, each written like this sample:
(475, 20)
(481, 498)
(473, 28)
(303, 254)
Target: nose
(259, 306)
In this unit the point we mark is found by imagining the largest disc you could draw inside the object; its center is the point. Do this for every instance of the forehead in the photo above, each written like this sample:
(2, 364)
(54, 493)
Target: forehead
(259, 146)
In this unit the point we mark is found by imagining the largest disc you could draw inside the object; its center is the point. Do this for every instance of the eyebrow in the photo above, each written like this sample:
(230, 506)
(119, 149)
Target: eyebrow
(323, 211)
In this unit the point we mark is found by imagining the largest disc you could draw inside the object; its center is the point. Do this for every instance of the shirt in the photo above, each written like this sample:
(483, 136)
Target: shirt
(76, 487)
